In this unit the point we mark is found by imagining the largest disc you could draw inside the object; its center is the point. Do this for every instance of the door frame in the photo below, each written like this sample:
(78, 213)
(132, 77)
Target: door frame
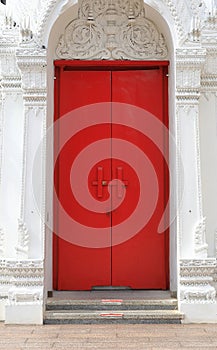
(111, 65)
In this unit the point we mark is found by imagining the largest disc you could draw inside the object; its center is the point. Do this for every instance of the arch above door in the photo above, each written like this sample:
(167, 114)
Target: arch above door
(111, 30)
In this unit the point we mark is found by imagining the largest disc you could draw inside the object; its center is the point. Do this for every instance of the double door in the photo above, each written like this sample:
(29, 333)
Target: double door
(106, 174)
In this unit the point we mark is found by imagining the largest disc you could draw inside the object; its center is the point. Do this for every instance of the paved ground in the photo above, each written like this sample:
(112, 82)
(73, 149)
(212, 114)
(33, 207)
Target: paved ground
(106, 337)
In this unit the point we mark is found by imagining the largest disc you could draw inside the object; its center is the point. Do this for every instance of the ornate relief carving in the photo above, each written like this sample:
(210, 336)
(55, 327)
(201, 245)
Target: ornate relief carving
(43, 17)
(201, 246)
(23, 240)
(195, 281)
(111, 30)
(175, 8)
(189, 61)
(192, 56)
(32, 62)
(209, 73)
(188, 78)
(96, 7)
(195, 31)
(22, 281)
(210, 66)
(10, 77)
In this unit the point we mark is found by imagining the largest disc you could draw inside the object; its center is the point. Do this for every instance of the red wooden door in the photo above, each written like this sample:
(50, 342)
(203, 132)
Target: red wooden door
(79, 267)
(139, 262)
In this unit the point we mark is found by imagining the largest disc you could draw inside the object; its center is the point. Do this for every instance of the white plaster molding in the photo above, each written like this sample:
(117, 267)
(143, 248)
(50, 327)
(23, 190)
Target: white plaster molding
(210, 66)
(216, 243)
(10, 77)
(215, 271)
(44, 15)
(196, 277)
(23, 289)
(22, 247)
(190, 61)
(181, 14)
(190, 56)
(25, 30)
(32, 62)
(209, 73)
(2, 243)
(201, 247)
(22, 275)
(111, 30)
(199, 182)
(178, 10)
(27, 282)
(189, 64)
(31, 55)
(188, 78)
(1, 131)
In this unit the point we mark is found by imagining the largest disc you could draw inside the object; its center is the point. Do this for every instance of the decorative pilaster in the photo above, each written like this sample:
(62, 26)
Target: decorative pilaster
(32, 64)
(11, 119)
(209, 105)
(196, 293)
(25, 295)
(190, 61)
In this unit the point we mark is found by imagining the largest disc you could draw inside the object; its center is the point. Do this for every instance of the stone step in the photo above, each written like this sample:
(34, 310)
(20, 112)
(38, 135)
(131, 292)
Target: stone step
(109, 317)
(112, 304)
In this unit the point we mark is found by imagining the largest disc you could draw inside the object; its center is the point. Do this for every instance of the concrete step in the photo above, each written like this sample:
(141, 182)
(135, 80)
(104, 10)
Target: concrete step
(112, 304)
(109, 317)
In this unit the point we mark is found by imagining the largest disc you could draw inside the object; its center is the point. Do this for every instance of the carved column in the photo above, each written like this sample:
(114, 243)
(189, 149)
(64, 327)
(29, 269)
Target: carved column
(209, 127)
(11, 123)
(24, 295)
(188, 81)
(196, 293)
(2, 233)
(10, 145)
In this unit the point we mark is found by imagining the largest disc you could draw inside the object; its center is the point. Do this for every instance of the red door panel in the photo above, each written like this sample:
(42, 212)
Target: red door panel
(136, 256)
(80, 267)
(140, 261)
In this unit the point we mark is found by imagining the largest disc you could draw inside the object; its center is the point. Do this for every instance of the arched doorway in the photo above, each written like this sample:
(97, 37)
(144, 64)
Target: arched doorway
(88, 61)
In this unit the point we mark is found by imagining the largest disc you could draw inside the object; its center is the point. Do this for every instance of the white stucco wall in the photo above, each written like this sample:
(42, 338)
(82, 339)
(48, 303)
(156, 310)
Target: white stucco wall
(208, 142)
(174, 20)
(11, 179)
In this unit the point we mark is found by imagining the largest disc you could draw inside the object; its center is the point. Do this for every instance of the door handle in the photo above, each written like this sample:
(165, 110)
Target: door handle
(100, 183)
(124, 182)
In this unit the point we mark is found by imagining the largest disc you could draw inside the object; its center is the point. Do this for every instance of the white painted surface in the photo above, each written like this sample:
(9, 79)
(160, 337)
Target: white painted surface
(208, 140)
(24, 314)
(173, 17)
(199, 313)
(10, 190)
